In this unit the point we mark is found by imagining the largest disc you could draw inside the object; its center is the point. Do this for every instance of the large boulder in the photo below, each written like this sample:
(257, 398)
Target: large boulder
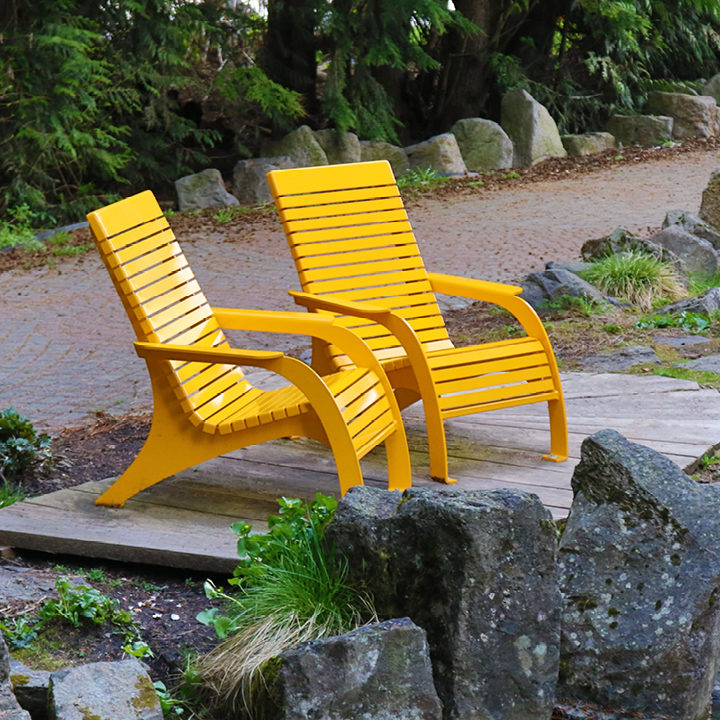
(203, 190)
(705, 304)
(484, 144)
(588, 143)
(643, 130)
(380, 671)
(712, 87)
(695, 254)
(532, 130)
(621, 240)
(340, 147)
(553, 283)
(640, 579)
(477, 571)
(440, 153)
(249, 182)
(693, 224)
(378, 150)
(693, 115)
(710, 205)
(119, 690)
(300, 146)
(9, 707)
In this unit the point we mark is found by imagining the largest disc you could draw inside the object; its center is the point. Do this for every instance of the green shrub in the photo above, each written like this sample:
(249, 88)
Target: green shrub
(293, 589)
(636, 277)
(22, 448)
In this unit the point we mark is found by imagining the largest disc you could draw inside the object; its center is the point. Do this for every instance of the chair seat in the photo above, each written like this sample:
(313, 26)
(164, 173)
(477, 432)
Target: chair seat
(362, 403)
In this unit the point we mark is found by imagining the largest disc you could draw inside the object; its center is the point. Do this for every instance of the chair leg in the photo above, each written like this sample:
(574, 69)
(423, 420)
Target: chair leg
(398, 461)
(153, 463)
(558, 431)
(437, 447)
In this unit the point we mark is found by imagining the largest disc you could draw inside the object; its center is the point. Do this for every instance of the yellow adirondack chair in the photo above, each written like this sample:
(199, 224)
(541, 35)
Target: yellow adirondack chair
(203, 404)
(358, 261)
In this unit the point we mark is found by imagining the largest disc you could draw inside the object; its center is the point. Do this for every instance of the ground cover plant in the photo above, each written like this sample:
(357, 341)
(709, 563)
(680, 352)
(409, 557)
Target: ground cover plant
(290, 588)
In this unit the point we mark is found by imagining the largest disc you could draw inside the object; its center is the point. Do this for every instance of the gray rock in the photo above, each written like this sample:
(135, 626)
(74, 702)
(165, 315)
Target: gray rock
(695, 254)
(376, 150)
(203, 190)
(709, 363)
(340, 147)
(622, 359)
(643, 130)
(693, 224)
(300, 145)
(533, 132)
(712, 88)
(249, 181)
(118, 690)
(588, 143)
(681, 341)
(30, 688)
(693, 115)
(706, 303)
(380, 671)
(476, 570)
(621, 240)
(484, 144)
(710, 205)
(441, 153)
(9, 707)
(540, 288)
(640, 578)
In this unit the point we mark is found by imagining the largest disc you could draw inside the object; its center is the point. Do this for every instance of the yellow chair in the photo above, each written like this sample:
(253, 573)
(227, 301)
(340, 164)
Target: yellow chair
(358, 261)
(203, 404)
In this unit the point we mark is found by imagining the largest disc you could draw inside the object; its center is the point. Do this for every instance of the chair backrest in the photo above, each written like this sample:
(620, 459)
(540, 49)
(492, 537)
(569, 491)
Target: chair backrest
(164, 301)
(350, 237)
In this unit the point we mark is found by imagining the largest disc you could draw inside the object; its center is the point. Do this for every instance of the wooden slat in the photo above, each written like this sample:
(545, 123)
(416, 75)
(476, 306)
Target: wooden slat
(398, 240)
(346, 233)
(298, 181)
(337, 208)
(336, 196)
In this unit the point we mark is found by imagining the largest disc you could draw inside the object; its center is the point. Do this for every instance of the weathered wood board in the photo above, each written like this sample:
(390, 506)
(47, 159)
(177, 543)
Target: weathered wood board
(185, 521)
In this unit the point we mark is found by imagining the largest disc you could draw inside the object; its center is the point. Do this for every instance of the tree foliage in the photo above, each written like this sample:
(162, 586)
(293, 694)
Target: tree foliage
(104, 97)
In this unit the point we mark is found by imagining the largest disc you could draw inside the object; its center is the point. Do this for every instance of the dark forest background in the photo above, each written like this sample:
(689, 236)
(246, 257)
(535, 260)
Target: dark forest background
(101, 98)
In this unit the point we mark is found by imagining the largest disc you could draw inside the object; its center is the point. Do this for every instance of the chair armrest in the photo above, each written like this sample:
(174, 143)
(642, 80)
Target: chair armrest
(300, 323)
(191, 353)
(471, 288)
(344, 307)
(506, 296)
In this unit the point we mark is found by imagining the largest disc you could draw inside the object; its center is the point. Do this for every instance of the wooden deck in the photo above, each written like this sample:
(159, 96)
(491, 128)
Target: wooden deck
(184, 521)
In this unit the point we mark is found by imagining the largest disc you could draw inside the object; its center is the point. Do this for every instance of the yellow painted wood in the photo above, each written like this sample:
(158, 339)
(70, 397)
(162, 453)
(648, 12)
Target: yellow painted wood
(203, 404)
(352, 245)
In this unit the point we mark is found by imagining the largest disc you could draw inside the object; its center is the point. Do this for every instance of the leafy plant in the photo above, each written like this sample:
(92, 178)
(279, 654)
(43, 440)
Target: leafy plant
(22, 448)
(636, 277)
(81, 603)
(576, 304)
(419, 176)
(293, 589)
(688, 321)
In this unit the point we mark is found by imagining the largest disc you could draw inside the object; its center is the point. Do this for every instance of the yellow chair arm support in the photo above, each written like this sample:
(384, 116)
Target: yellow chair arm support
(301, 324)
(343, 307)
(192, 353)
(505, 296)
(471, 288)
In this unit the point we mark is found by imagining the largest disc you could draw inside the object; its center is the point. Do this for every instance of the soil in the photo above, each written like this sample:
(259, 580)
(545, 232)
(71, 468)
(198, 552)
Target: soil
(165, 602)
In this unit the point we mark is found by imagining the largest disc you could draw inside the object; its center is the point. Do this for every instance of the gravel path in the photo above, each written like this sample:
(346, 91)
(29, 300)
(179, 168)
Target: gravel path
(65, 344)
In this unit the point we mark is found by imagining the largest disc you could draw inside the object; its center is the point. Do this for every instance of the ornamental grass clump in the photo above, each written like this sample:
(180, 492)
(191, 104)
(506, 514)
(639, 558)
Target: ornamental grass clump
(635, 277)
(292, 588)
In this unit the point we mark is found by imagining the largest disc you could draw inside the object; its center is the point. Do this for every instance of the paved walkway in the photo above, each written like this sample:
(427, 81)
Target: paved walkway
(65, 343)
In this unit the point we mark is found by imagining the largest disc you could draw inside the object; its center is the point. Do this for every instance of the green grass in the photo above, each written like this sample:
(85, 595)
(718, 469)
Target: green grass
(420, 177)
(292, 589)
(10, 494)
(701, 377)
(635, 277)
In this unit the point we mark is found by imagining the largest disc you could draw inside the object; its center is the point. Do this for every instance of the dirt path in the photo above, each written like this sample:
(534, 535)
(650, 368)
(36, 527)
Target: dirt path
(65, 344)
